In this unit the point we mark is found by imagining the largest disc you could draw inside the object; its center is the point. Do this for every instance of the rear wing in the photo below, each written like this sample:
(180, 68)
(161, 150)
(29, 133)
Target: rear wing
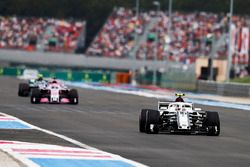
(162, 105)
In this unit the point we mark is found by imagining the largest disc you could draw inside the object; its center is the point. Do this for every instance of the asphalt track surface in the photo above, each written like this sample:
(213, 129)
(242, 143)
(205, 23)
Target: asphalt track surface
(109, 121)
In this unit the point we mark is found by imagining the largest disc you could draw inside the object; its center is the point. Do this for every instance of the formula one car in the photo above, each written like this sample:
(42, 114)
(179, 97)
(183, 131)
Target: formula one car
(179, 117)
(24, 89)
(55, 92)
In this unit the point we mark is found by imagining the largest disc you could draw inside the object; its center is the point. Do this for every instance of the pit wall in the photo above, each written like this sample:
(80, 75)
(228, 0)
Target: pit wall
(183, 79)
(67, 75)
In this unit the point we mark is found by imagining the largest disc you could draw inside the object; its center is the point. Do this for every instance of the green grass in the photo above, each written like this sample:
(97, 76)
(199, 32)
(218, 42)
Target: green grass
(241, 80)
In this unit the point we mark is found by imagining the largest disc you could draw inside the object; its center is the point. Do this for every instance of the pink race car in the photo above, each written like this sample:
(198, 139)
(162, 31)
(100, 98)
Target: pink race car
(55, 92)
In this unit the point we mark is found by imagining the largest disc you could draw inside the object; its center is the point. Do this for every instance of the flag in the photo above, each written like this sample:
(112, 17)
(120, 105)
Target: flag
(233, 38)
(244, 44)
(244, 41)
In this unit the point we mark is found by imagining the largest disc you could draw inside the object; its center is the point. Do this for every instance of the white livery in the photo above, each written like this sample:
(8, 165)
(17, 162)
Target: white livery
(179, 117)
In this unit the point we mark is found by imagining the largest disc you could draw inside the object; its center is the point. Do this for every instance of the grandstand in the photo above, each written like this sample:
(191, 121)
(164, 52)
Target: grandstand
(125, 36)
(192, 35)
(42, 34)
(118, 36)
(128, 36)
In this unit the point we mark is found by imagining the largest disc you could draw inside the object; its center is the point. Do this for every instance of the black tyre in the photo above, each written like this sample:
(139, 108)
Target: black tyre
(73, 96)
(23, 90)
(35, 96)
(152, 118)
(142, 120)
(212, 123)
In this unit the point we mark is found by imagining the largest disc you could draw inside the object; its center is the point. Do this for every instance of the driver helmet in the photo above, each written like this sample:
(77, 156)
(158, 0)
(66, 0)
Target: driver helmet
(40, 77)
(54, 80)
(179, 97)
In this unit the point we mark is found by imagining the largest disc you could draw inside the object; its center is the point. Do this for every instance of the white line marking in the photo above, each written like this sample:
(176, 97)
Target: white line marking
(20, 158)
(19, 120)
(75, 142)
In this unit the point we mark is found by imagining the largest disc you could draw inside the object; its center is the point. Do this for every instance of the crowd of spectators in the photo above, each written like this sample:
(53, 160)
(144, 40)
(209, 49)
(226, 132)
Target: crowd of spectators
(190, 36)
(239, 58)
(39, 34)
(117, 37)
(62, 35)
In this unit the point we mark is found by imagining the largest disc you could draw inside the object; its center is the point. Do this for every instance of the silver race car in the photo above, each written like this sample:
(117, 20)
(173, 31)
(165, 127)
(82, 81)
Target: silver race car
(25, 89)
(179, 116)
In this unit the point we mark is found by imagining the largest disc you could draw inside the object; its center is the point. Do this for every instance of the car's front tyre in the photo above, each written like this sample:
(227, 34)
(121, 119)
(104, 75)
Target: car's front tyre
(212, 123)
(23, 90)
(142, 120)
(73, 96)
(35, 96)
(152, 121)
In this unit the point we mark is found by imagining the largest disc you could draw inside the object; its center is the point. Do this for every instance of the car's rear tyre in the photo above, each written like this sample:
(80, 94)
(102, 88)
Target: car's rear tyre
(142, 120)
(35, 96)
(73, 96)
(152, 121)
(212, 123)
(23, 90)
